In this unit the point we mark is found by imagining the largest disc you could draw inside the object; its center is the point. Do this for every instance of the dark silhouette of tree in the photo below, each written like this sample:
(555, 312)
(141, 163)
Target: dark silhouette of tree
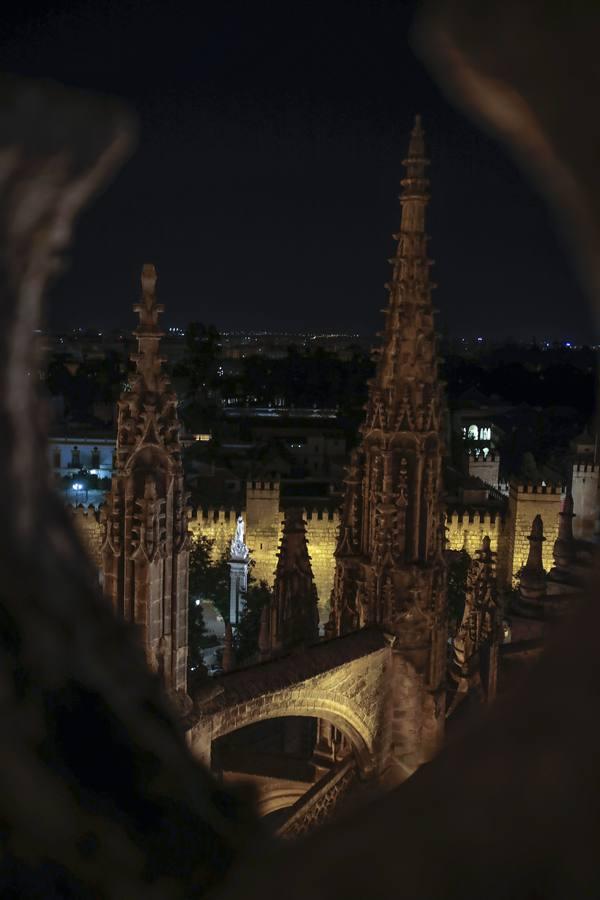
(458, 568)
(258, 595)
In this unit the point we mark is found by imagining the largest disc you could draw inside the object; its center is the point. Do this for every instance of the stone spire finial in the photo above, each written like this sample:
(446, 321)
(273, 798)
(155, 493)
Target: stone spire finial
(147, 360)
(228, 649)
(408, 351)
(479, 625)
(564, 546)
(295, 602)
(536, 538)
(416, 146)
(414, 195)
(532, 583)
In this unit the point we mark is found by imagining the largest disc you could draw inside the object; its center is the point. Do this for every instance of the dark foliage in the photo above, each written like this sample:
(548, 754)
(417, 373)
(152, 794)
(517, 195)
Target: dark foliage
(458, 569)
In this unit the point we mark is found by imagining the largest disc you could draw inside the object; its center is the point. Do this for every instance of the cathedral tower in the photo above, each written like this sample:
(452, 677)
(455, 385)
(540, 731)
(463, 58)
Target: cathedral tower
(390, 569)
(145, 549)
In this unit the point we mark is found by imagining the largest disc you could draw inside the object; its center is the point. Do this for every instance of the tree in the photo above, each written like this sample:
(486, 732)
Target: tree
(209, 578)
(458, 569)
(196, 639)
(257, 596)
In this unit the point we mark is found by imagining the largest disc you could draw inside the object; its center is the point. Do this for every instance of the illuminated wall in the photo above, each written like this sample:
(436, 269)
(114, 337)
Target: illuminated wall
(91, 531)
(264, 526)
(466, 530)
(585, 499)
(525, 502)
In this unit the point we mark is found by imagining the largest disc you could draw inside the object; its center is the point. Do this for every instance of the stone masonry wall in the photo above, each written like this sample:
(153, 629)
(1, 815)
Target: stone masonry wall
(216, 524)
(90, 529)
(524, 504)
(466, 530)
(585, 499)
(321, 532)
(264, 527)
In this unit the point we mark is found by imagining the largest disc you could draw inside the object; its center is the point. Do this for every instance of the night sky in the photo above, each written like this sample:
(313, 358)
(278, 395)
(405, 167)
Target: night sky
(265, 182)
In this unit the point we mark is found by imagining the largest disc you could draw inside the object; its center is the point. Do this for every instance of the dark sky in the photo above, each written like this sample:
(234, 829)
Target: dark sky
(265, 182)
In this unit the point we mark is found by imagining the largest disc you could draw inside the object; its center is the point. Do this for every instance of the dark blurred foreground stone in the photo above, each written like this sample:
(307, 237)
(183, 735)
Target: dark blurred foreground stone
(99, 796)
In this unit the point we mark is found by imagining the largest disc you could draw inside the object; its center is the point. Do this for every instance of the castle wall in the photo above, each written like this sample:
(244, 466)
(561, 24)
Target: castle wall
(466, 530)
(585, 499)
(485, 467)
(217, 525)
(321, 532)
(525, 502)
(91, 531)
(264, 527)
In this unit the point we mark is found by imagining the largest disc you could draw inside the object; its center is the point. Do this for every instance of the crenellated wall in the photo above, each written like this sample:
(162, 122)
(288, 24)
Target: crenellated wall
(264, 526)
(585, 499)
(264, 519)
(216, 524)
(486, 467)
(466, 529)
(91, 530)
(321, 532)
(525, 502)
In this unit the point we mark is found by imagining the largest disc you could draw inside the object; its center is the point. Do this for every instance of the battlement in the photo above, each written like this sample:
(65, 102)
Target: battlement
(82, 512)
(474, 517)
(321, 514)
(217, 516)
(88, 523)
(484, 458)
(262, 487)
(537, 489)
(584, 467)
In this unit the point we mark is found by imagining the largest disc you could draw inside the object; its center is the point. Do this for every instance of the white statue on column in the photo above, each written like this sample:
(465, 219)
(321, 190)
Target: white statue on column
(239, 560)
(238, 549)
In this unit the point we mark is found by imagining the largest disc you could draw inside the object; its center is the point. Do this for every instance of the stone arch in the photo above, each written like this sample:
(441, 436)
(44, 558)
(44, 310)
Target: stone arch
(322, 706)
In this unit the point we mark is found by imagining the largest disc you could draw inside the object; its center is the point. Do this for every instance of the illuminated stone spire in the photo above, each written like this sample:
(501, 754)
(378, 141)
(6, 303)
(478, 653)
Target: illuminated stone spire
(390, 569)
(532, 579)
(145, 547)
(406, 376)
(294, 614)
(564, 546)
(480, 628)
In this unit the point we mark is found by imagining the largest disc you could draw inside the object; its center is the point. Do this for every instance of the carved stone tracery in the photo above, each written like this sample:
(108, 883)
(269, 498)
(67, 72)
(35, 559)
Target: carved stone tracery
(145, 549)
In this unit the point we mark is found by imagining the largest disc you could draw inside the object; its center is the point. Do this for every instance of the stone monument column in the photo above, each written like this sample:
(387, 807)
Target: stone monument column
(239, 561)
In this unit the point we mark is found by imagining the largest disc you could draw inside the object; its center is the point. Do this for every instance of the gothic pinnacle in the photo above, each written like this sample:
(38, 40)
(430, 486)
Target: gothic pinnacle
(408, 351)
(564, 546)
(532, 585)
(148, 333)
